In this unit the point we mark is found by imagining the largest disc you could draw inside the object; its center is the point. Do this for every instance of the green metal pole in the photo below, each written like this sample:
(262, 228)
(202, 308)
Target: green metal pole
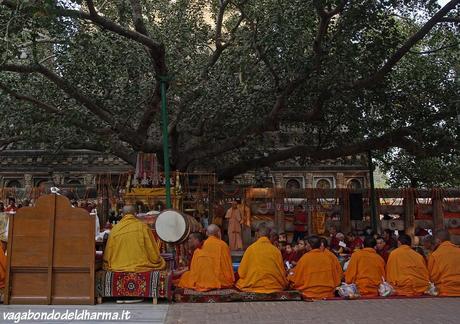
(373, 202)
(164, 117)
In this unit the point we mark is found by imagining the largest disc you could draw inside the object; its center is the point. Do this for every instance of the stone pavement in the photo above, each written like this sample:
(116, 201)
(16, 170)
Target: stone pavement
(429, 310)
(407, 311)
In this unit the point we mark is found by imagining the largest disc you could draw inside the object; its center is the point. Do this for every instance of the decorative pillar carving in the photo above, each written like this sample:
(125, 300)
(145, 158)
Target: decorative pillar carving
(340, 180)
(28, 181)
(88, 179)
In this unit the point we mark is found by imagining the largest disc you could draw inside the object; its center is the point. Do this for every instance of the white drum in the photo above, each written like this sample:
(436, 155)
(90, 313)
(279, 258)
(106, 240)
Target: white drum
(172, 226)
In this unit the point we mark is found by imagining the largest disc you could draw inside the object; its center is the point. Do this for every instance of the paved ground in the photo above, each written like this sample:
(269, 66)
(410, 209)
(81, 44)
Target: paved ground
(419, 311)
(432, 311)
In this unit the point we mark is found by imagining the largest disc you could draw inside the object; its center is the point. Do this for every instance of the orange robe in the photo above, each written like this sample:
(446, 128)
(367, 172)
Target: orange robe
(131, 247)
(365, 270)
(316, 275)
(407, 272)
(261, 269)
(2, 268)
(444, 268)
(234, 228)
(211, 267)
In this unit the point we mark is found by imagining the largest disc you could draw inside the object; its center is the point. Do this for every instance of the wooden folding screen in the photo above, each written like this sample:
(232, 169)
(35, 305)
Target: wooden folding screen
(51, 254)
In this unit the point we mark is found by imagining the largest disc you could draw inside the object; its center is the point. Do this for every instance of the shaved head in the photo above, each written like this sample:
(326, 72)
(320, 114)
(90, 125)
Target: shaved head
(314, 241)
(129, 209)
(442, 235)
(263, 230)
(213, 230)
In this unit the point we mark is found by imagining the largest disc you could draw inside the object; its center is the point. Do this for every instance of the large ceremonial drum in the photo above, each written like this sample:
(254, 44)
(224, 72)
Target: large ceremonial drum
(172, 226)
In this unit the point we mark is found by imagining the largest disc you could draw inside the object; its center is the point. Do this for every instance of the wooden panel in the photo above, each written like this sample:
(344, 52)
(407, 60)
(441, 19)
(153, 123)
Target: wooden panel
(28, 286)
(52, 254)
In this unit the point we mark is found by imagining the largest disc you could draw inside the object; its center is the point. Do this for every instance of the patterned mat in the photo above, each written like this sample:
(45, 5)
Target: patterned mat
(231, 295)
(155, 284)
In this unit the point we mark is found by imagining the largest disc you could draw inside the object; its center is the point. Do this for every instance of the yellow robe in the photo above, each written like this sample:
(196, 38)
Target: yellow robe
(211, 267)
(261, 269)
(131, 247)
(2, 268)
(316, 274)
(406, 272)
(365, 270)
(444, 269)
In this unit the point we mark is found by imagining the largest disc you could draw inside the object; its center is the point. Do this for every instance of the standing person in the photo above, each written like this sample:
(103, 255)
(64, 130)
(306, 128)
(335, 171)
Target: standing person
(234, 227)
(333, 241)
(245, 213)
(300, 223)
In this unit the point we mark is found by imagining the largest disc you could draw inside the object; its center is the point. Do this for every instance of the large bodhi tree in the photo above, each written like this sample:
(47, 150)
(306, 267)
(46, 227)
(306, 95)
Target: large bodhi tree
(330, 77)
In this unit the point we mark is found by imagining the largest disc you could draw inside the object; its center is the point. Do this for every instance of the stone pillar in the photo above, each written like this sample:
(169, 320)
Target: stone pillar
(340, 180)
(309, 180)
(278, 177)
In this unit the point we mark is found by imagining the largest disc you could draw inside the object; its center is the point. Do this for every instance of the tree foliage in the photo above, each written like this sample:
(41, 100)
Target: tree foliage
(329, 77)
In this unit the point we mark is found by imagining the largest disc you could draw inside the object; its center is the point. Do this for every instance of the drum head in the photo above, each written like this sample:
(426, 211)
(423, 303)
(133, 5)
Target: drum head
(170, 226)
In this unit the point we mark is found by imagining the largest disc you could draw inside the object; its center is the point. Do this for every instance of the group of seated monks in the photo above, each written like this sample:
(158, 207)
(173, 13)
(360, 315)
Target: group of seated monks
(131, 247)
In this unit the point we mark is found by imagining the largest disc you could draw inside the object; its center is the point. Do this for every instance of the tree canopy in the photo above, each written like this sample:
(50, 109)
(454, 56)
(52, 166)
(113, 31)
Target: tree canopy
(250, 83)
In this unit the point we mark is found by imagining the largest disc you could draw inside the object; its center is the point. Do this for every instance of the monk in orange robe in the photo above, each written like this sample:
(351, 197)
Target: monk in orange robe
(366, 269)
(261, 269)
(317, 273)
(234, 227)
(444, 265)
(2, 268)
(211, 266)
(406, 270)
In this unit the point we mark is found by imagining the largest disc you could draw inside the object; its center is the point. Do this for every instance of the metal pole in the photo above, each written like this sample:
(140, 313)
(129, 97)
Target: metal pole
(164, 117)
(373, 203)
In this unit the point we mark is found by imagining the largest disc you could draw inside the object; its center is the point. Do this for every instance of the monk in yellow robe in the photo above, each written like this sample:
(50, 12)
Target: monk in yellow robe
(406, 270)
(211, 266)
(317, 274)
(444, 265)
(366, 269)
(261, 269)
(131, 246)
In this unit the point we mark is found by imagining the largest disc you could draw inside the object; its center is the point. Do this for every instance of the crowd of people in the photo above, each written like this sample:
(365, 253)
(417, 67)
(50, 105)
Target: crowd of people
(269, 265)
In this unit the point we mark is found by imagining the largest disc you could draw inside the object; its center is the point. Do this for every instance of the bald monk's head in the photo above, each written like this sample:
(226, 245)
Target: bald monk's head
(213, 230)
(404, 239)
(128, 209)
(441, 235)
(263, 230)
(314, 242)
(369, 242)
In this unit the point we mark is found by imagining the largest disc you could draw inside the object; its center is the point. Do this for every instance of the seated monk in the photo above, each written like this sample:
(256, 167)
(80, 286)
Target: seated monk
(406, 269)
(261, 269)
(317, 274)
(131, 246)
(211, 266)
(366, 269)
(444, 265)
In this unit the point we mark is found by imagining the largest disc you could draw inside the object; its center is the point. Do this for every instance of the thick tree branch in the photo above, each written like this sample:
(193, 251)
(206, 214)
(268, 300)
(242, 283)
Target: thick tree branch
(53, 110)
(405, 48)
(455, 20)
